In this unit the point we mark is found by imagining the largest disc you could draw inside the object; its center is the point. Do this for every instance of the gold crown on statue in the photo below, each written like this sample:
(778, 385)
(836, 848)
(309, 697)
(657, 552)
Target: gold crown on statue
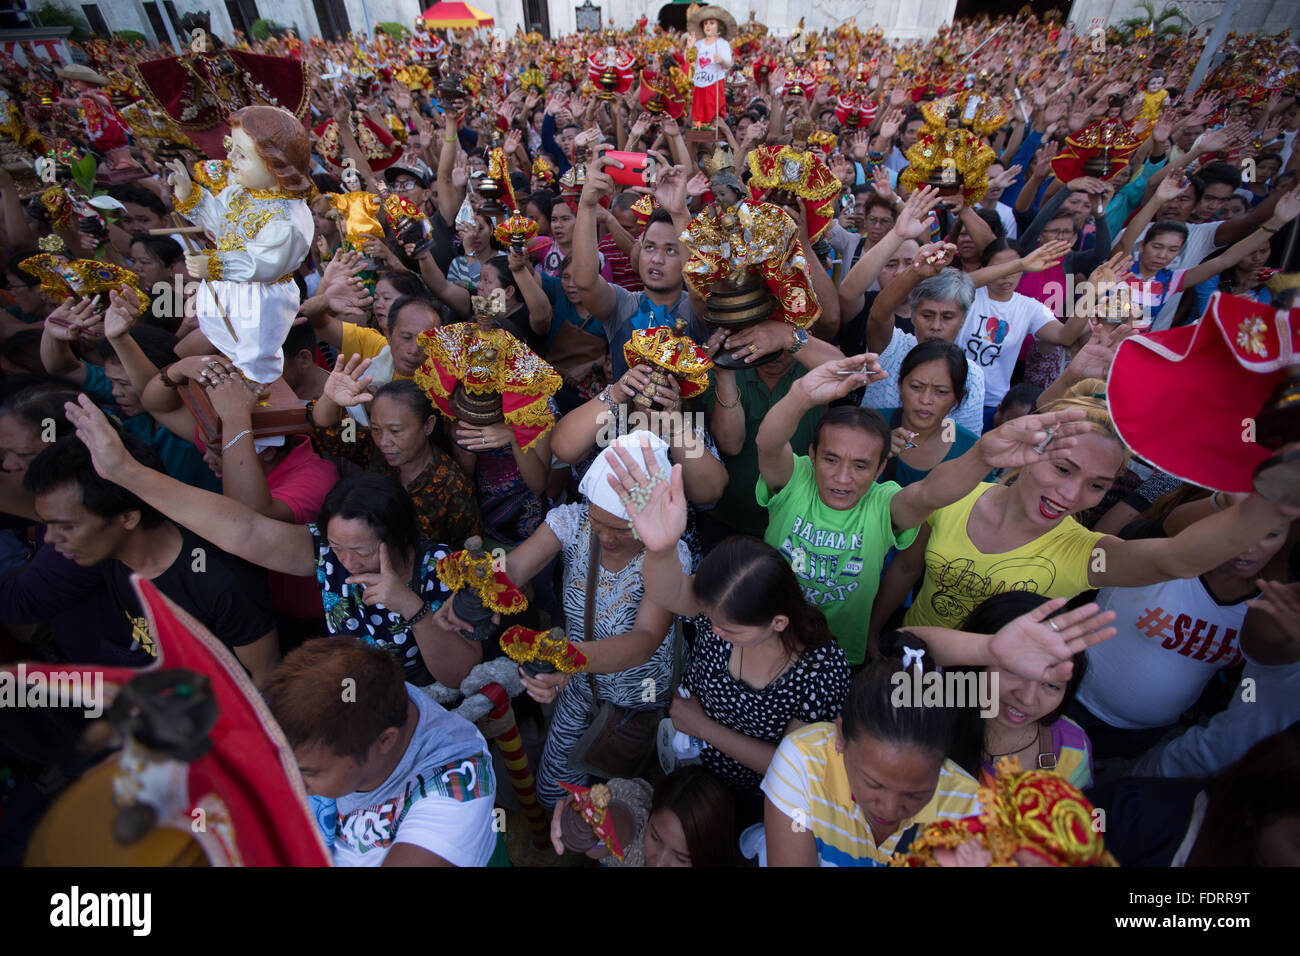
(51, 243)
(719, 161)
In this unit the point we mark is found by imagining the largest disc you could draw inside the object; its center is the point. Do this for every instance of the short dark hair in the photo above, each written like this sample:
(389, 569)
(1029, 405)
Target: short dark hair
(930, 352)
(303, 694)
(1024, 393)
(138, 196)
(406, 283)
(1165, 225)
(37, 404)
(163, 248)
(405, 390)
(68, 461)
(544, 200)
(401, 302)
(380, 502)
(158, 345)
(301, 338)
(658, 216)
(865, 419)
(996, 246)
(1224, 174)
(501, 266)
(23, 349)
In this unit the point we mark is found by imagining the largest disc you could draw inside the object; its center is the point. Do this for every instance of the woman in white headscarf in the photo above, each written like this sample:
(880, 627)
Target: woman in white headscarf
(629, 650)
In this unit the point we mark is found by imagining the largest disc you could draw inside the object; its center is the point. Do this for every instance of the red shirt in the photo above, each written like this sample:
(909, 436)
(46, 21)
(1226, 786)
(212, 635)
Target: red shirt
(620, 265)
(301, 480)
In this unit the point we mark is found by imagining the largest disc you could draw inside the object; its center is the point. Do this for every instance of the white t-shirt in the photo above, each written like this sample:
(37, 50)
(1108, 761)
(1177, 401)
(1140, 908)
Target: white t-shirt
(1173, 637)
(993, 334)
(1199, 245)
(1008, 217)
(884, 394)
(707, 68)
(439, 798)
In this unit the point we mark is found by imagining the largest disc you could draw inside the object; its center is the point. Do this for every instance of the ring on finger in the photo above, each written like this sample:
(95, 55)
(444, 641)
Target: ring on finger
(1054, 627)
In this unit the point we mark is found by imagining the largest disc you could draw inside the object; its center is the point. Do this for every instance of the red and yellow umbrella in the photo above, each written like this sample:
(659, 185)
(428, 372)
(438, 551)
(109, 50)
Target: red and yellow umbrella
(456, 16)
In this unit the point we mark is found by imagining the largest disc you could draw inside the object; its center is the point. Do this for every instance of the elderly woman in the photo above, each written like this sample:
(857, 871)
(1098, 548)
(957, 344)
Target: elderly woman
(627, 639)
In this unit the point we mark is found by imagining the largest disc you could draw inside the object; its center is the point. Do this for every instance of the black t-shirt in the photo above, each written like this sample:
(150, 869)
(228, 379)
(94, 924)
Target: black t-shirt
(226, 594)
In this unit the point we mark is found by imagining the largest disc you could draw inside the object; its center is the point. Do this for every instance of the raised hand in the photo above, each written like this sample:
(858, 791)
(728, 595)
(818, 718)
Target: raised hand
(670, 189)
(1047, 255)
(661, 521)
(1282, 603)
(1038, 646)
(933, 258)
(179, 180)
(72, 320)
(1171, 187)
(122, 312)
(914, 218)
(101, 439)
(698, 185)
(1014, 444)
(831, 380)
(346, 384)
(512, 141)
(892, 122)
(387, 588)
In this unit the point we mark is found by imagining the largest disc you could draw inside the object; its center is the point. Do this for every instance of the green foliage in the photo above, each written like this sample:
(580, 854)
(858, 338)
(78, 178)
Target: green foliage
(83, 173)
(56, 15)
(1167, 22)
(395, 30)
(131, 36)
(262, 29)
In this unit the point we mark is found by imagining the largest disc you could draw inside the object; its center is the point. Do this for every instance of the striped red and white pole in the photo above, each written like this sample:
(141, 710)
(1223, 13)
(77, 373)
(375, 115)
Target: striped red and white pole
(499, 726)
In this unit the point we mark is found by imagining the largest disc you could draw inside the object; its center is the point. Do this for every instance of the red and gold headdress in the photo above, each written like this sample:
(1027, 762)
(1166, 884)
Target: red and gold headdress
(1100, 149)
(461, 569)
(532, 80)
(611, 72)
(855, 110)
(61, 277)
(547, 647)
(593, 805)
(672, 352)
(799, 82)
(644, 208)
(790, 170)
(499, 173)
(666, 90)
(823, 141)
(951, 157)
(762, 68)
(1037, 812)
(544, 169)
(515, 231)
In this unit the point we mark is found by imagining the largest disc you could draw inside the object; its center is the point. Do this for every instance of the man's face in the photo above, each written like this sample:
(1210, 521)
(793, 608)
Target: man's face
(1266, 169)
(562, 221)
(565, 138)
(1079, 206)
(910, 132)
(846, 462)
(409, 188)
(993, 193)
(899, 261)
(1178, 209)
(1185, 137)
(326, 774)
(661, 258)
(404, 330)
(1060, 228)
(628, 220)
(19, 444)
(1211, 204)
(937, 321)
(77, 534)
(136, 218)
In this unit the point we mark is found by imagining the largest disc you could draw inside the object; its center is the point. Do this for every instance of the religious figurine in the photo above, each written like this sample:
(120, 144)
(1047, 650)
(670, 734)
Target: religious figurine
(668, 352)
(1034, 818)
(665, 89)
(1153, 98)
(1100, 149)
(358, 211)
(591, 815)
(612, 71)
(795, 174)
(104, 128)
(950, 158)
(202, 88)
(379, 146)
(480, 373)
(542, 652)
(481, 590)
(745, 259)
(978, 111)
(711, 58)
(263, 232)
(516, 232)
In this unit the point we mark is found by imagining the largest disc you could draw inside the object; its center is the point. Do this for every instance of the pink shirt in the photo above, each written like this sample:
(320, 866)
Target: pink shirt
(301, 480)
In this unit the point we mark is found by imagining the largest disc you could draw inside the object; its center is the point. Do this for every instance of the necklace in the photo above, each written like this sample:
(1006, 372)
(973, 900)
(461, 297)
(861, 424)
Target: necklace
(1032, 734)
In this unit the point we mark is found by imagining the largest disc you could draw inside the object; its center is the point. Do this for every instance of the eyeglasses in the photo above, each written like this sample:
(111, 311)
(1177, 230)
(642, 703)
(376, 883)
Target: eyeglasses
(405, 186)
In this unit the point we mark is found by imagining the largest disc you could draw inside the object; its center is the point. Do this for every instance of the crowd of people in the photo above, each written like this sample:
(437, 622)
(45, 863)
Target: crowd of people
(921, 479)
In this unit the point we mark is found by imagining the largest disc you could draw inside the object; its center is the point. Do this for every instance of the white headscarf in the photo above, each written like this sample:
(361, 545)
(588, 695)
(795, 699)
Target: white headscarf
(595, 486)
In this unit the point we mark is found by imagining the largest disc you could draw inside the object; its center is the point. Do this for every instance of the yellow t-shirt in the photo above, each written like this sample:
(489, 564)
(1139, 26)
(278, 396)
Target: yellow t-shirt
(807, 782)
(366, 342)
(958, 576)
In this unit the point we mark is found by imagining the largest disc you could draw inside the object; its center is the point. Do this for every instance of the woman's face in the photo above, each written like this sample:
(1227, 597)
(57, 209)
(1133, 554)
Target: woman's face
(398, 433)
(879, 221)
(1248, 565)
(570, 285)
(890, 782)
(19, 444)
(490, 280)
(1159, 250)
(355, 544)
(148, 267)
(534, 212)
(927, 395)
(562, 221)
(385, 296)
(1004, 287)
(969, 252)
(1021, 701)
(1050, 490)
(664, 841)
(615, 533)
(480, 238)
(1256, 260)
(746, 635)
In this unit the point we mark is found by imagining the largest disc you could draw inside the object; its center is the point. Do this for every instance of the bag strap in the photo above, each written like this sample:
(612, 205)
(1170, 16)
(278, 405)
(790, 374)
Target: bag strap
(1045, 749)
(593, 577)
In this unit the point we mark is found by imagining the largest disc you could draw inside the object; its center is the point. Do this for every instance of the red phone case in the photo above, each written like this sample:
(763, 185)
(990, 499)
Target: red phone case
(635, 168)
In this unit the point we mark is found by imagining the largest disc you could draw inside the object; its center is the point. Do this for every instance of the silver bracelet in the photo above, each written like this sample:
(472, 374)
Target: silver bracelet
(226, 447)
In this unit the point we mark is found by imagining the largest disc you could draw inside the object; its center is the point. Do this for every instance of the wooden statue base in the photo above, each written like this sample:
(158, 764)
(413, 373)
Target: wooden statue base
(280, 413)
(707, 135)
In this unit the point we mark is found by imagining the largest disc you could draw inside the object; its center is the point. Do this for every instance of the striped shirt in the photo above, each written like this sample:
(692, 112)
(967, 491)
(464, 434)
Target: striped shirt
(807, 781)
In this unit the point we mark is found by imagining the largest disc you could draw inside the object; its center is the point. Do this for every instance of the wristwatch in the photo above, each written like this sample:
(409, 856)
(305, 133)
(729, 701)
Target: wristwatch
(800, 340)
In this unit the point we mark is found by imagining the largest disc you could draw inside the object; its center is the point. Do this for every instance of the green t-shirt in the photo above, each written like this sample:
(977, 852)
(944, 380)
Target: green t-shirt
(837, 555)
(737, 508)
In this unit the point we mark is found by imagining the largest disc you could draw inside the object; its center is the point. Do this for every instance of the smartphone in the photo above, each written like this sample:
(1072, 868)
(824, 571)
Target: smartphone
(638, 168)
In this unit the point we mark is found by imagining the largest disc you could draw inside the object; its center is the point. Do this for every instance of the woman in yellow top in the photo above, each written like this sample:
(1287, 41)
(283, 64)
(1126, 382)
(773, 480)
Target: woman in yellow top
(1021, 536)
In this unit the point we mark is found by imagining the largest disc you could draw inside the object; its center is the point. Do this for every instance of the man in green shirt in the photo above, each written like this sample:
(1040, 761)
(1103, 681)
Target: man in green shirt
(830, 518)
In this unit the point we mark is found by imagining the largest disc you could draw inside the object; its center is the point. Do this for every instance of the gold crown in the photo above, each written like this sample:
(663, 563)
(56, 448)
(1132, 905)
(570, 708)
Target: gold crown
(52, 243)
(719, 161)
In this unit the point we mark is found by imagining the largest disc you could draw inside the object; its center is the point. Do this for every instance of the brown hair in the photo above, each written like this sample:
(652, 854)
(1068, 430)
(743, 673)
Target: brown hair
(310, 700)
(282, 142)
